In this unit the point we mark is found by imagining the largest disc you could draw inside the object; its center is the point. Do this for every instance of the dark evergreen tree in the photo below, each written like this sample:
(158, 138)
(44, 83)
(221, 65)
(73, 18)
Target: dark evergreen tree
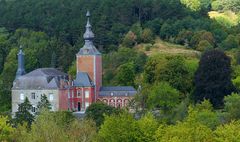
(213, 78)
(24, 115)
(44, 103)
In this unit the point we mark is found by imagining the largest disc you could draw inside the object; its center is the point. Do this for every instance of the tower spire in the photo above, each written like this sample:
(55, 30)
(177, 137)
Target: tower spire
(88, 36)
(21, 68)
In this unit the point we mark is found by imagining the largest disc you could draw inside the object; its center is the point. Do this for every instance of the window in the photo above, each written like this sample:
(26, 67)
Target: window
(86, 94)
(33, 96)
(50, 97)
(86, 104)
(78, 94)
(33, 109)
(21, 96)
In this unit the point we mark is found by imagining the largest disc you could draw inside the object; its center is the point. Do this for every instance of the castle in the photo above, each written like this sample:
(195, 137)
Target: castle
(66, 94)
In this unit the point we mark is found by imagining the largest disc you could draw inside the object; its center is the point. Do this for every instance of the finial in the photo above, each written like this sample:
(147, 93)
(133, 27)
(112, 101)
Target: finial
(21, 47)
(88, 36)
(88, 14)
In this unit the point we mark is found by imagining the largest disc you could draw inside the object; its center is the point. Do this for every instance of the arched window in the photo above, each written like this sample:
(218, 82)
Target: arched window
(112, 102)
(105, 101)
(126, 101)
(119, 103)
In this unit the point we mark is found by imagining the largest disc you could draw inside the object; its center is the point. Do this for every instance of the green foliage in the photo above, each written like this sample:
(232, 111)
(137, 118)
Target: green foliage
(204, 45)
(147, 36)
(24, 114)
(204, 114)
(200, 36)
(230, 42)
(231, 104)
(228, 132)
(73, 70)
(44, 103)
(173, 70)
(57, 127)
(6, 129)
(118, 128)
(226, 5)
(96, 112)
(146, 128)
(194, 5)
(130, 39)
(163, 96)
(176, 74)
(190, 131)
(81, 131)
(127, 56)
(125, 74)
(184, 37)
(213, 78)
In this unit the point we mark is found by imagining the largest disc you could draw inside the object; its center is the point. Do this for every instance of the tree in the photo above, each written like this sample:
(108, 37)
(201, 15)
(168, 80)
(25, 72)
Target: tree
(202, 35)
(231, 104)
(130, 39)
(6, 130)
(176, 73)
(147, 36)
(213, 78)
(204, 114)
(146, 128)
(118, 128)
(24, 115)
(191, 129)
(204, 45)
(194, 5)
(163, 97)
(44, 103)
(81, 131)
(230, 42)
(47, 127)
(125, 74)
(228, 132)
(96, 112)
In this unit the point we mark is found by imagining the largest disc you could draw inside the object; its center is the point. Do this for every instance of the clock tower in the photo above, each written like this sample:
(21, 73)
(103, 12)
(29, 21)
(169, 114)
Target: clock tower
(89, 59)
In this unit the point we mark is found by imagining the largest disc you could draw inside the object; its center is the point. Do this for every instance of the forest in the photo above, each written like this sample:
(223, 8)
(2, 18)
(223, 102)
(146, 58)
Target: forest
(183, 56)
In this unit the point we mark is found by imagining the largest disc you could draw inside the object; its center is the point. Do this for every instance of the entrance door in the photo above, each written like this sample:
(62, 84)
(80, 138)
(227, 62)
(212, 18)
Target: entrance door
(79, 106)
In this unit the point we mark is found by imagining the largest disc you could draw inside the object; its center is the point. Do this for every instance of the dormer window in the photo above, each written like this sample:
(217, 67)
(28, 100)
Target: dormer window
(111, 93)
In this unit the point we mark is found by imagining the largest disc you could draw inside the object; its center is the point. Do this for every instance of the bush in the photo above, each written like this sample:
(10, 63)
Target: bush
(147, 36)
(130, 39)
(204, 45)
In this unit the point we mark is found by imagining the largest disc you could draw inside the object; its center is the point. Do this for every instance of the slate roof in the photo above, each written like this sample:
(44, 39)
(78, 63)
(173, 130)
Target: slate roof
(43, 78)
(117, 91)
(88, 48)
(82, 80)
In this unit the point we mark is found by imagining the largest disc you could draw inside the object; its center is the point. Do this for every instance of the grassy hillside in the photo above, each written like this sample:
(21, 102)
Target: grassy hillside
(166, 48)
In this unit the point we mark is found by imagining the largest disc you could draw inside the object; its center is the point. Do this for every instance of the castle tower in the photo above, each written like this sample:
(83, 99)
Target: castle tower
(89, 59)
(21, 68)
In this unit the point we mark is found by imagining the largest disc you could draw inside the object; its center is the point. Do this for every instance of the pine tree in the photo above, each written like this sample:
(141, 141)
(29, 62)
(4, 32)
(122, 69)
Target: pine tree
(44, 103)
(23, 115)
